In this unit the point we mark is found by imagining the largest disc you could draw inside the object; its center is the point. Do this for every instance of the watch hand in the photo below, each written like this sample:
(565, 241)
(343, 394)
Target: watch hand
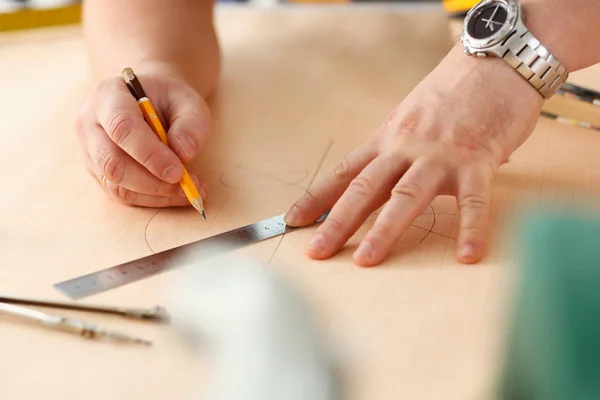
(492, 17)
(492, 22)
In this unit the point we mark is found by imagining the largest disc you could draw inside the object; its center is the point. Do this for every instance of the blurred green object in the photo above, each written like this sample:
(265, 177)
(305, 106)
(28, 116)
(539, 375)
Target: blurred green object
(553, 347)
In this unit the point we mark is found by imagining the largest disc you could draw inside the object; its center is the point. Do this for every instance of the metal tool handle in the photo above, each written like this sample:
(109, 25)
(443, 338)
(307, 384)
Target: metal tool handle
(80, 328)
(156, 313)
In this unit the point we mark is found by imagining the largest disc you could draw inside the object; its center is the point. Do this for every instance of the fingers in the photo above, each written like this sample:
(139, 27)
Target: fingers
(119, 168)
(120, 117)
(130, 197)
(409, 198)
(326, 191)
(189, 124)
(365, 193)
(474, 188)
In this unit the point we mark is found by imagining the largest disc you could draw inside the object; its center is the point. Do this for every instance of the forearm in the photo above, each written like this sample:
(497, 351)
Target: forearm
(568, 28)
(173, 37)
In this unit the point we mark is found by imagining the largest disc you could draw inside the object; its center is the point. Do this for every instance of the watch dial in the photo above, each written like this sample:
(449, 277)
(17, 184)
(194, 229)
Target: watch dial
(488, 21)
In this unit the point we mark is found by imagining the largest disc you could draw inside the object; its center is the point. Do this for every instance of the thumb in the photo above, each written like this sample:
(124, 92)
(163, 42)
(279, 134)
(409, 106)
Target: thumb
(189, 123)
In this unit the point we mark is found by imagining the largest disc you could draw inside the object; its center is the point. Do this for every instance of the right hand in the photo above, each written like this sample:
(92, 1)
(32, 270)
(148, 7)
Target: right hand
(123, 153)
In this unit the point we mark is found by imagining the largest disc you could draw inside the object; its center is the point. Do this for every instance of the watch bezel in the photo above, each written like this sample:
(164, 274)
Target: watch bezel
(512, 11)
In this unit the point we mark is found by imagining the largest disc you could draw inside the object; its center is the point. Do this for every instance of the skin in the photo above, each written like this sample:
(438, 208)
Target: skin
(449, 136)
(178, 68)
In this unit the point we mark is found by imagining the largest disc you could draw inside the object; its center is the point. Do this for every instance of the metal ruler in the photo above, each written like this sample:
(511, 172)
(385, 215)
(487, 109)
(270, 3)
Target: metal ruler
(156, 263)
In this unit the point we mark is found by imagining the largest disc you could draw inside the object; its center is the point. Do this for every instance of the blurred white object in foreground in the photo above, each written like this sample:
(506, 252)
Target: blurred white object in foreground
(260, 335)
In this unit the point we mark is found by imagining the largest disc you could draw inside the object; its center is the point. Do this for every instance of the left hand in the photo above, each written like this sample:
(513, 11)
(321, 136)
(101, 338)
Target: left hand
(449, 136)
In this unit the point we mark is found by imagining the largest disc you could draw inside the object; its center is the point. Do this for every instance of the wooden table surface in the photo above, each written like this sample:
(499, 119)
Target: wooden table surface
(299, 90)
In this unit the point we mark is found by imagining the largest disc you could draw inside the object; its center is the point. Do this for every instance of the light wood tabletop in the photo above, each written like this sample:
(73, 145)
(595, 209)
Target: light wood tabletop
(300, 88)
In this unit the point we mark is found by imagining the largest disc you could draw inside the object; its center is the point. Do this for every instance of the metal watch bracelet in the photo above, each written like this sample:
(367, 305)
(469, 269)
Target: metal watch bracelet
(508, 37)
(534, 62)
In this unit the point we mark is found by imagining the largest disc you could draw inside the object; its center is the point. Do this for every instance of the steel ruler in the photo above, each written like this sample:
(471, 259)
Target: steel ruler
(156, 263)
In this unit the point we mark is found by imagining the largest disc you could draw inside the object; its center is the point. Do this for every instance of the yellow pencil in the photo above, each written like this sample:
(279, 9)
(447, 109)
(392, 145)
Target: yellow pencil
(186, 183)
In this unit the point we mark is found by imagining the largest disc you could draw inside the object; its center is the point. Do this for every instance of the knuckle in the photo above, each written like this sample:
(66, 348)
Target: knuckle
(119, 128)
(195, 99)
(310, 200)
(158, 190)
(81, 127)
(474, 202)
(112, 165)
(362, 185)
(148, 159)
(334, 224)
(342, 170)
(125, 195)
(472, 231)
(165, 189)
(412, 190)
(102, 86)
(384, 230)
(409, 124)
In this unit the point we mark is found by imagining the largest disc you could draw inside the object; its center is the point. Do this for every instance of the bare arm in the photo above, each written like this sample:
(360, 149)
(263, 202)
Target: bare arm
(449, 136)
(173, 49)
(568, 28)
(175, 37)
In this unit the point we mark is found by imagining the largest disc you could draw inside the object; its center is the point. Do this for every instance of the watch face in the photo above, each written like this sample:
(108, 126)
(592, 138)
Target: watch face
(488, 20)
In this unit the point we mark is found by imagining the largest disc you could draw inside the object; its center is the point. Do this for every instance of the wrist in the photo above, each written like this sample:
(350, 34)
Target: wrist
(201, 78)
(159, 68)
(499, 76)
(562, 27)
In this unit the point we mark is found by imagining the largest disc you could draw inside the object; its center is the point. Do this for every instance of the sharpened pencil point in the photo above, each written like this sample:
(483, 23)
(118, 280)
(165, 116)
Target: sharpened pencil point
(133, 84)
(198, 207)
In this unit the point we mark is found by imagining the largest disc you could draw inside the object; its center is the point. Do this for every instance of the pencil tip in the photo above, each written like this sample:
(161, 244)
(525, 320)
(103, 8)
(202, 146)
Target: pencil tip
(198, 207)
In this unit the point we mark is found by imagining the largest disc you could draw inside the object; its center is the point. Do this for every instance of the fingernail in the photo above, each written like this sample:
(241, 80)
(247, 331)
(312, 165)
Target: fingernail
(316, 243)
(292, 216)
(188, 145)
(468, 251)
(364, 250)
(172, 174)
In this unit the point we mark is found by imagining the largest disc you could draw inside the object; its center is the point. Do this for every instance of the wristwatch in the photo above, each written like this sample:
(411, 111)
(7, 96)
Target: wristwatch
(497, 28)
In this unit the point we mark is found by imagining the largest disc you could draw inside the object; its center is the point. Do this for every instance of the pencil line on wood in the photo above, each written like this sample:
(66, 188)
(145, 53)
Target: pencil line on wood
(321, 161)
(319, 165)
(146, 231)
(275, 251)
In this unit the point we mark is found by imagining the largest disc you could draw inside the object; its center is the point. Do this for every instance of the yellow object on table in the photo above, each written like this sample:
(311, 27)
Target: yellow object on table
(298, 91)
(38, 18)
(458, 6)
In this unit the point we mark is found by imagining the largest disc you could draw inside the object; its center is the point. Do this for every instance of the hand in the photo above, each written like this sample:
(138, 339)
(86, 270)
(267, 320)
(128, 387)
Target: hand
(124, 154)
(449, 136)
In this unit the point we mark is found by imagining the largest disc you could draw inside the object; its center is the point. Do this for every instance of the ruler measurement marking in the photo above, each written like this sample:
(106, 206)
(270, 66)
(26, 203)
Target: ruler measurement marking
(153, 264)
